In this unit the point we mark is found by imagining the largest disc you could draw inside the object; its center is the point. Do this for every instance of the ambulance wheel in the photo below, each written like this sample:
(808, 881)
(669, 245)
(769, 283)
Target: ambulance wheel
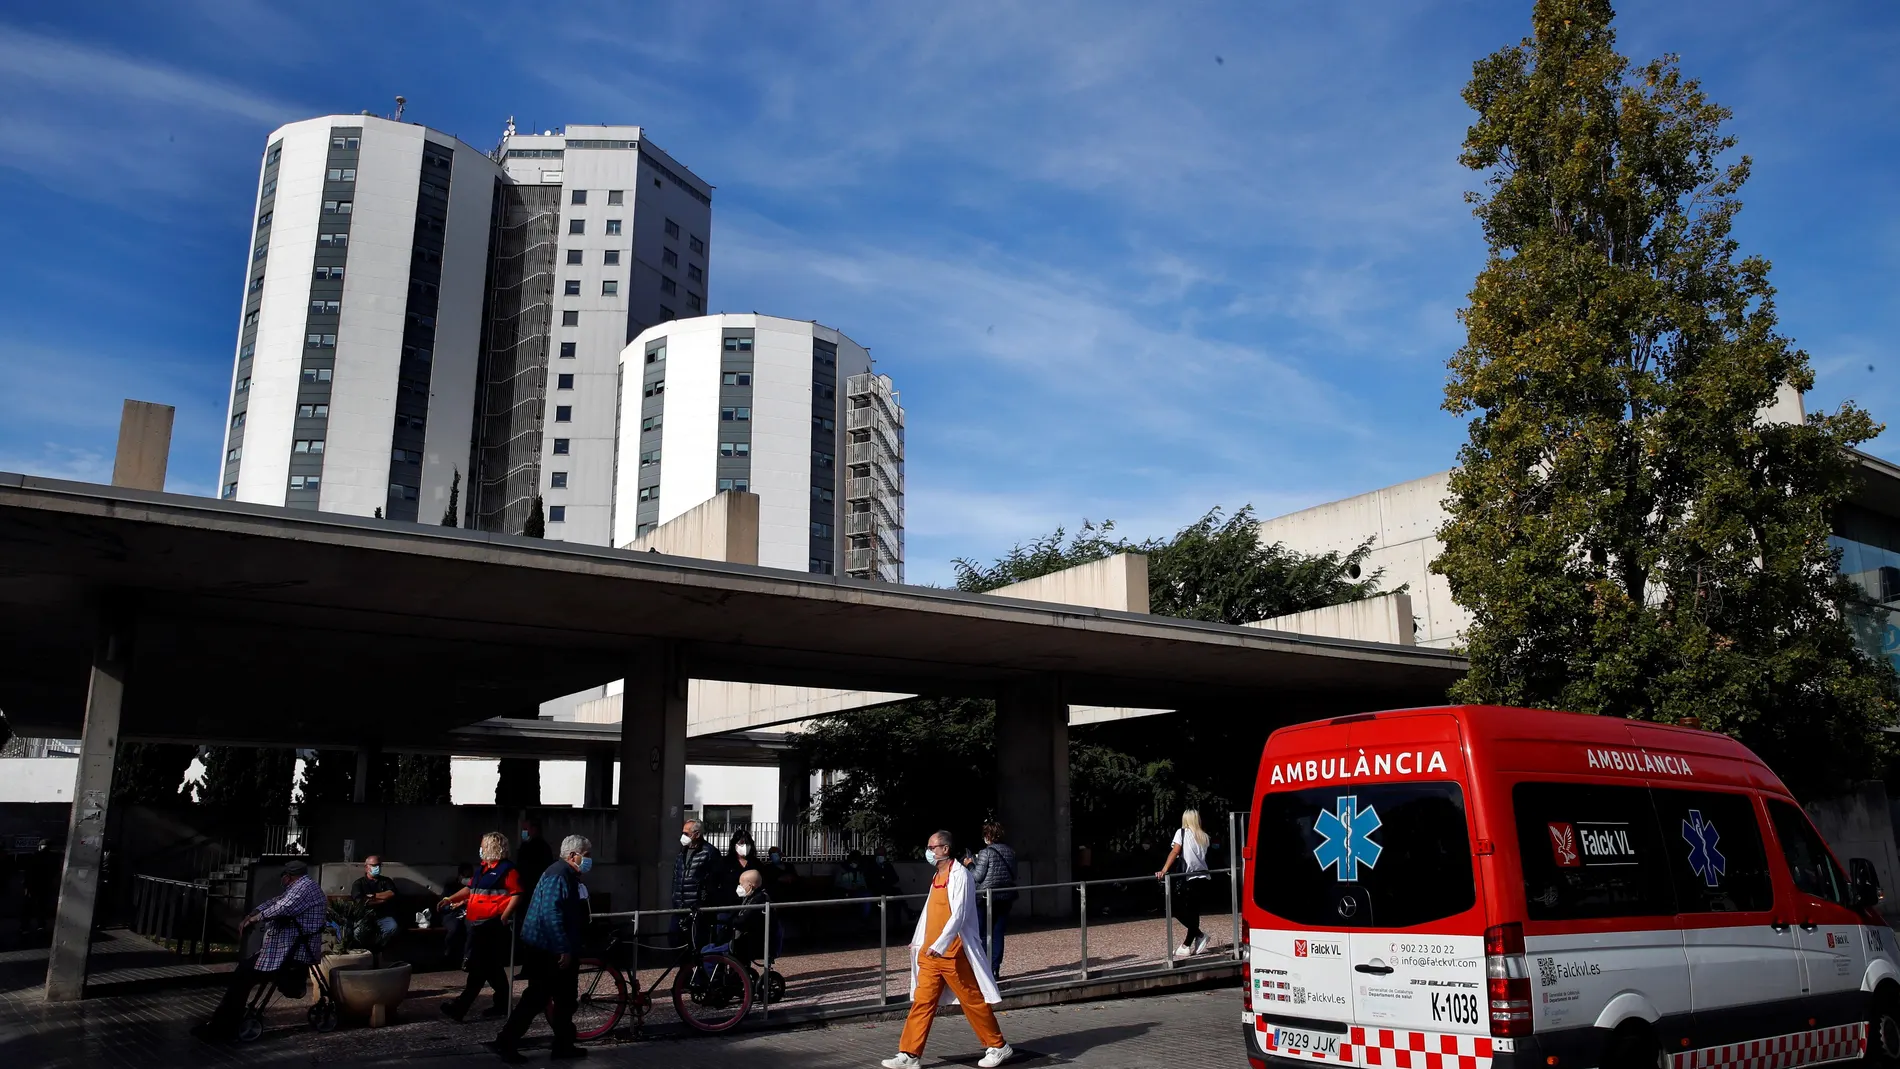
(1883, 1029)
(1634, 1047)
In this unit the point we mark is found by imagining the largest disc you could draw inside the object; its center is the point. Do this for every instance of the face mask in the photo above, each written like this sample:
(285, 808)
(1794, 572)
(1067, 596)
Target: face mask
(773, 855)
(742, 892)
(744, 850)
(524, 835)
(880, 859)
(685, 839)
(375, 870)
(930, 854)
(587, 863)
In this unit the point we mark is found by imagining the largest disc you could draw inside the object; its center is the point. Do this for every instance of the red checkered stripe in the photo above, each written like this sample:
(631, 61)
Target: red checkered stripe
(1396, 1048)
(1779, 1052)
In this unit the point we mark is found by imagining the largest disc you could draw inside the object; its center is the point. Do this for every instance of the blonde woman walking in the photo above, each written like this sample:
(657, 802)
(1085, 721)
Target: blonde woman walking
(1190, 846)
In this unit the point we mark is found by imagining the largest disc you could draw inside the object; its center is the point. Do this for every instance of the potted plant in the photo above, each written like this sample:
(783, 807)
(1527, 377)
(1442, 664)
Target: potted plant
(362, 985)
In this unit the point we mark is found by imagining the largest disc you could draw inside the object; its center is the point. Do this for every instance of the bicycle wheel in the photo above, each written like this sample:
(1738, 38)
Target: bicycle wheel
(603, 998)
(714, 996)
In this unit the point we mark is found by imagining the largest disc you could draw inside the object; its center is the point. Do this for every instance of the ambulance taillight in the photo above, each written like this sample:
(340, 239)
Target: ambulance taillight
(1508, 979)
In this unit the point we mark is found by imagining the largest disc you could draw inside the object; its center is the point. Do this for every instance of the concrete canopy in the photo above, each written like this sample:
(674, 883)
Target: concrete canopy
(262, 625)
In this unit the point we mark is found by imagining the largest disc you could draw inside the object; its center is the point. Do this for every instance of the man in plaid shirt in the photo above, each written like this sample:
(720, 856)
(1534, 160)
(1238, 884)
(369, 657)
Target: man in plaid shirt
(292, 921)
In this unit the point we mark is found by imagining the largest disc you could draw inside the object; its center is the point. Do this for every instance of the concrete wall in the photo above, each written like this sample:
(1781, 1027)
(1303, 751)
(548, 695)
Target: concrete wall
(38, 779)
(1120, 583)
(1386, 618)
(1402, 521)
(725, 528)
(1861, 825)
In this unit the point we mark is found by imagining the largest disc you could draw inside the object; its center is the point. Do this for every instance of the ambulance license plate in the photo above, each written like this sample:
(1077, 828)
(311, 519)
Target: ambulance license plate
(1322, 1044)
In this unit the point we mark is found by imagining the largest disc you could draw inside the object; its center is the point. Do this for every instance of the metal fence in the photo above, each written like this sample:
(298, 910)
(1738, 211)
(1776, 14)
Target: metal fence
(846, 955)
(797, 842)
(173, 913)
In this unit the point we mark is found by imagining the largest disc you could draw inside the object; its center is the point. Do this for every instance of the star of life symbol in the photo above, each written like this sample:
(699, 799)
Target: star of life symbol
(1347, 832)
(1704, 859)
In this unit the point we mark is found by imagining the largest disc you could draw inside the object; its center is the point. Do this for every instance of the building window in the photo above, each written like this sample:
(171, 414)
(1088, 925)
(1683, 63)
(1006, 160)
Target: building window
(616, 196)
(651, 493)
(697, 246)
(313, 411)
(305, 482)
(406, 456)
(328, 274)
(651, 423)
(316, 374)
(246, 352)
(736, 378)
(250, 318)
(326, 307)
(741, 485)
(668, 286)
(577, 226)
(657, 354)
(669, 258)
(573, 288)
(822, 422)
(347, 143)
(655, 389)
(666, 314)
(735, 449)
(611, 258)
(731, 415)
(563, 413)
(822, 459)
(234, 455)
(342, 174)
(332, 241)
(694, 274)
(567, 349)
(230, 490)
(564, 382)
(570, 318)
(610, 288)
(264, 220)
(649, 458)
(407, 493)
(270, 189)
(560, 447)
(557, 513)
(579, 197)
(244, 384)
(613, 228)
(337, 207)
(262, 248)
(694, 304)
(672, 229)
(557, 480)
(573, 257)
(820, 530)
(820, 567)
(738, 345)
(821, 493)
(307, 445)
(319, 341)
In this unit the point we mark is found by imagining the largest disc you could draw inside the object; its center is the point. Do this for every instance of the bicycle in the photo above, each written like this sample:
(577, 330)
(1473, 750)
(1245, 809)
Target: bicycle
(711, 992)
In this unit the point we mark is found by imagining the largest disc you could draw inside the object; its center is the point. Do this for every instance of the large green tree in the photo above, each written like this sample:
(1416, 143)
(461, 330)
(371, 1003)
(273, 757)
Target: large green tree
(151, 773)
(251, 779)
(1630, 533)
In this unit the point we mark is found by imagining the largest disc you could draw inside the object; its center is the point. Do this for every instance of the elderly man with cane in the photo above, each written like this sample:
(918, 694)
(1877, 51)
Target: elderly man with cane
(947, 958)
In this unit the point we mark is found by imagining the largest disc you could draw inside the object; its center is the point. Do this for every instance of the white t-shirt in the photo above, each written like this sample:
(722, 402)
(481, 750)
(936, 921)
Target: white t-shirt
(1192, 852)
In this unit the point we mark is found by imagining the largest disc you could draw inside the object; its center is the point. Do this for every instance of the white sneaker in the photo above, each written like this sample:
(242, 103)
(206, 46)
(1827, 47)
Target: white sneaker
(996, 1056)
(1200, 944)
(902, 1061)
(1183, 951)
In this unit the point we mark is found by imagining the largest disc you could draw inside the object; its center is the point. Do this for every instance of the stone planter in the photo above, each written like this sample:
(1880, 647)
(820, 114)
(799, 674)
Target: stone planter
(371, 993)
(330, 964)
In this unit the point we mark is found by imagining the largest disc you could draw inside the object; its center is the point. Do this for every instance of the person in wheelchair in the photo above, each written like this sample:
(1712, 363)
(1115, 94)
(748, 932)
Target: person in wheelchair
(744, 929)
(293, 925)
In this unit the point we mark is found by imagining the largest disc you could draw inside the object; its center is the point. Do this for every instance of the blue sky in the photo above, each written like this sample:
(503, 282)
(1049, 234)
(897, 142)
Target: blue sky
(1124, 261)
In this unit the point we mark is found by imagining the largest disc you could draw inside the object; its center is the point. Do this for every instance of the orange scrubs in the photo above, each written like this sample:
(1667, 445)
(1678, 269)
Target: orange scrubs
(952, 970)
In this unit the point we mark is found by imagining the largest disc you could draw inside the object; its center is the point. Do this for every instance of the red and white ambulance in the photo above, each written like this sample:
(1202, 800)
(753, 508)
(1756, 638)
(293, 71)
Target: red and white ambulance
(1489, 888)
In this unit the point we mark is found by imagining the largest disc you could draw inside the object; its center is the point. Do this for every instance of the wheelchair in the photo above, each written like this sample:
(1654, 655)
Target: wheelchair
(292, 980)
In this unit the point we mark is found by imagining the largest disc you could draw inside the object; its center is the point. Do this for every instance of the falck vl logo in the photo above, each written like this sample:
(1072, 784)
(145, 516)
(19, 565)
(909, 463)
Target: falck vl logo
(1563, 846)
(1704, 859)
(1299, 948)
(1348, 838)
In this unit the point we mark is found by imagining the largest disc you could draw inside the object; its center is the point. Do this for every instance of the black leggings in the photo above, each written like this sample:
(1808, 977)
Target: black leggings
(488, 944)
(1187, 906)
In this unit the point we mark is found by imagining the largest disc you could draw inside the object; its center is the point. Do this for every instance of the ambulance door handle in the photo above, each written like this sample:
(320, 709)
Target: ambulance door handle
(1780, 927)
(1376, 970)
(1807, 926)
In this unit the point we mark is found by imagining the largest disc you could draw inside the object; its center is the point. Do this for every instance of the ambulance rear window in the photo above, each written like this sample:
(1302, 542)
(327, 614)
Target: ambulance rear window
(1388, 855)
(1590, 851)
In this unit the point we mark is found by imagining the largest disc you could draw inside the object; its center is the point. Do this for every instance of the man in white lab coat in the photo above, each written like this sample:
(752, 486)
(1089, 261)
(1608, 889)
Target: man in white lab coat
(947, 959)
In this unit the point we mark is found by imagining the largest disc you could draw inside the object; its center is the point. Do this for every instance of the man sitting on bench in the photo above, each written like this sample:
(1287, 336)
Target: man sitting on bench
(293, 919)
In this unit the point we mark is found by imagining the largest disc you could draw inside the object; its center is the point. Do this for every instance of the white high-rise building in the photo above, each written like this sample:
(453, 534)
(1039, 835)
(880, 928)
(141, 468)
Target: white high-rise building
(417, 309)
(786, 409)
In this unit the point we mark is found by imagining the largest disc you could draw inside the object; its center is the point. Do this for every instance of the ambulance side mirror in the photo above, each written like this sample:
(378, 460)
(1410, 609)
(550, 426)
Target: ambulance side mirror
(1866, 881)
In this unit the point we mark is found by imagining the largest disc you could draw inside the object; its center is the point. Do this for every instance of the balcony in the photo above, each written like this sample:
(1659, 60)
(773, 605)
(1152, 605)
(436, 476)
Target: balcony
(860, 560)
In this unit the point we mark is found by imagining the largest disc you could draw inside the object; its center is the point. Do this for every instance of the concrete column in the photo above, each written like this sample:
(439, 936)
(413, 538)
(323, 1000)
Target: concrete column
(652, 770)
(1032, 790)
(145, 444)
(85, 834)
(794, 787)
(598, 788)
(359, 785)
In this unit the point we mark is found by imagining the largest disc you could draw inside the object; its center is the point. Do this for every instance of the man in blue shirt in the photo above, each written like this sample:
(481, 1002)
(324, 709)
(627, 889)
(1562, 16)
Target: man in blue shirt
(551, 953)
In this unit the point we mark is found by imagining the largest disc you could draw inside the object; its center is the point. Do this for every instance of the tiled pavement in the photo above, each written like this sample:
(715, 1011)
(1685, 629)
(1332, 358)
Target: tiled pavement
(147, 1031)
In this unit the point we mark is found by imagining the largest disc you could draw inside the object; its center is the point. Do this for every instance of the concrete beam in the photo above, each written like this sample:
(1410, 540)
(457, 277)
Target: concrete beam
(1386, 618)
(86, 830)
(145, 445)
(724, 528)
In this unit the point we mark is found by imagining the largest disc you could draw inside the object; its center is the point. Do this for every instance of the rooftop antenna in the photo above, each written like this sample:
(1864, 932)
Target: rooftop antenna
(401, 102)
